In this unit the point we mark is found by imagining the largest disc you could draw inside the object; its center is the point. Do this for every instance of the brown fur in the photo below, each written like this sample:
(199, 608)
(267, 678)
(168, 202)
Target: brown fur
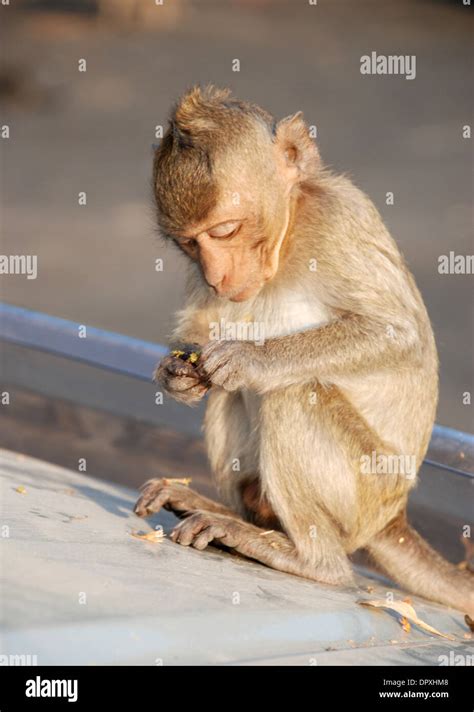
(200, 125)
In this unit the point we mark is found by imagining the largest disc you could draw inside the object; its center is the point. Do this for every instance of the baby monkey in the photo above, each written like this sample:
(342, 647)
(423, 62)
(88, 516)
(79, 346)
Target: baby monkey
(314, 433)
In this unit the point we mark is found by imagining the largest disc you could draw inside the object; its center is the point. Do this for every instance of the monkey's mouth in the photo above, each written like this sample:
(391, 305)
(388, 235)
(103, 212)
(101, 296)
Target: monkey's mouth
(241, 296)
(245, 293)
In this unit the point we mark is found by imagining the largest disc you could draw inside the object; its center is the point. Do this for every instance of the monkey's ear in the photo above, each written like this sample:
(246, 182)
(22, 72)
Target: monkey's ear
(293, 140)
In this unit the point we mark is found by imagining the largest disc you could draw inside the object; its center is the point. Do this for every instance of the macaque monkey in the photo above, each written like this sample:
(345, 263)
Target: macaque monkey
(344, 376)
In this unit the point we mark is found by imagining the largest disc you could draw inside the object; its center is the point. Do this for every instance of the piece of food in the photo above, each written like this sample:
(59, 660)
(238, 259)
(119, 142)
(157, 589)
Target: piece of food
(405, 623)
(407, 614)
(191, 357)
(156, 536)
(21, 489)
(178, 480)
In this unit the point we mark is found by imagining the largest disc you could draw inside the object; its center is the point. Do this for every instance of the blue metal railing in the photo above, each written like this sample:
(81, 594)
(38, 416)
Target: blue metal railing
(97, 347)
(449, 449)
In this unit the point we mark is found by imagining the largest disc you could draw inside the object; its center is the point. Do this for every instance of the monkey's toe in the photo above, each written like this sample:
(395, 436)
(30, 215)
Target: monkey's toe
(150, 490)
(198, 530)
(156, 494)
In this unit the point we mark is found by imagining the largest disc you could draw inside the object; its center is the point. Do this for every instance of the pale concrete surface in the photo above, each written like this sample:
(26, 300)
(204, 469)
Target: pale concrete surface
(69, 536)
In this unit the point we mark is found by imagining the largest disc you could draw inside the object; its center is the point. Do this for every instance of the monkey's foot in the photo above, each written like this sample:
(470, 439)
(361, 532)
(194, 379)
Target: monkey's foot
(201, 528)
(175, 497)
(271, 548)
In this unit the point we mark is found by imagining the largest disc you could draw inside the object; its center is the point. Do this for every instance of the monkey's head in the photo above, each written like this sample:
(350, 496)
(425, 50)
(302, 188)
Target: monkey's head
(225, 179)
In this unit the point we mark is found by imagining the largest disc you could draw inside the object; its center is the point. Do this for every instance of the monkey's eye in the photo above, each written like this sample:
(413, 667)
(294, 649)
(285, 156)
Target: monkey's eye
(226, 229)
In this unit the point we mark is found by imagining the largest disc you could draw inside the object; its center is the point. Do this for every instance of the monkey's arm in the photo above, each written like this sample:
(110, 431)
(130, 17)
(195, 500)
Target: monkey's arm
(351, 344)
(380, 318)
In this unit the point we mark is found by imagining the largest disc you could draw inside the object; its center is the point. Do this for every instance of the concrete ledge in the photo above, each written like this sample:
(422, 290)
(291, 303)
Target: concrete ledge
(77, 588)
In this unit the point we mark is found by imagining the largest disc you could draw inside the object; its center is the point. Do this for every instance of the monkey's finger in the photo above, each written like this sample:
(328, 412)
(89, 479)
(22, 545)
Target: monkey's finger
(155, 494)
(227, 377)
(211, 364)
(208, 535)
(211, 355)
(185, 532)
(147, 505)
(178, 367)
(198, 530)
(191, 396)
(150, 504)
(181, 383)
(203, 539)
(149, 483)
(172, 366)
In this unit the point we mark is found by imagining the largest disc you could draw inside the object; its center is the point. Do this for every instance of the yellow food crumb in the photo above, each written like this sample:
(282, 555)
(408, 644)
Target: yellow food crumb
(405, 623)
(21, 489)
(191, 357)
(179, 480)
(156, 536)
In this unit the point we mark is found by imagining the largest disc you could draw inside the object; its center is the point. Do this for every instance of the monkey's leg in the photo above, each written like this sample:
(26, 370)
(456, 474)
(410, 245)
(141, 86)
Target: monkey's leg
(175, 497)
(228, 440)
(268, 547)
(308, 479)
(232, 446)
(407, 558)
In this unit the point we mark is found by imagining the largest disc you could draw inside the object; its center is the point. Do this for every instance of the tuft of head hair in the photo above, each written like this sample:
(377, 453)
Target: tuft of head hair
(202, 111)
(203, 123)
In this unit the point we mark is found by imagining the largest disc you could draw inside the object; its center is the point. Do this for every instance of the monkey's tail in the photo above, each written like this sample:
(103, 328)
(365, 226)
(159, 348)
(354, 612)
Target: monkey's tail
(410, 561)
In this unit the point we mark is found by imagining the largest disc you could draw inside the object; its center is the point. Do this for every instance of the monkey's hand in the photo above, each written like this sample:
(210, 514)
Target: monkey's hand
(231, 364)
(181, 380)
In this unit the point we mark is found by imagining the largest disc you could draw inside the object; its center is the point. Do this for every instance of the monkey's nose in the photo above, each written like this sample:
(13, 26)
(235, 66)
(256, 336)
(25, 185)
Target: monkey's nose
(218, 286)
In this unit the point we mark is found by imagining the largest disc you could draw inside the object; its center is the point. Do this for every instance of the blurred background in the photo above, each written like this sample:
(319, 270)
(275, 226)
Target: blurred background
(93, 131)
